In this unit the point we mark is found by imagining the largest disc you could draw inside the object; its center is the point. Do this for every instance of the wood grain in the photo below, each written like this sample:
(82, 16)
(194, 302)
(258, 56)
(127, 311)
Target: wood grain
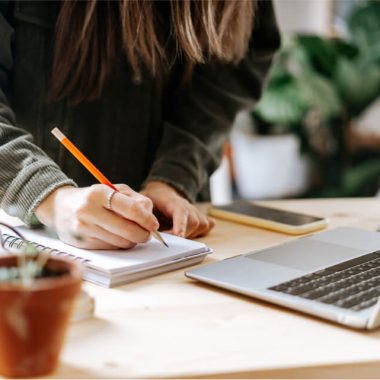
(171, 326)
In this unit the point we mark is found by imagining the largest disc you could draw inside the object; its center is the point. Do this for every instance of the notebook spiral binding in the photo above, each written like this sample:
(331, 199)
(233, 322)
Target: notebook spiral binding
(10, 241)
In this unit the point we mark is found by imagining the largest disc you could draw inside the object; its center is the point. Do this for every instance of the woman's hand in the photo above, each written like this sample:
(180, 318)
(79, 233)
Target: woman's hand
(185, 219)
(80, 217)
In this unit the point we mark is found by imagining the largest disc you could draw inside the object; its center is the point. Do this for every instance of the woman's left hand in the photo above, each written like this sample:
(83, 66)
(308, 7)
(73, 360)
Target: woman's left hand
(185, 218)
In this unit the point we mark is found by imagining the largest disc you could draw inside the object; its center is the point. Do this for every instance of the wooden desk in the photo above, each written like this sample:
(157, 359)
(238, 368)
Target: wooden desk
(170, 326)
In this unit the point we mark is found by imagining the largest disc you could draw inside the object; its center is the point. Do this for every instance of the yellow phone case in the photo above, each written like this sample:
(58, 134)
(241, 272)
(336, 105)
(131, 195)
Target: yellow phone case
(268, 224)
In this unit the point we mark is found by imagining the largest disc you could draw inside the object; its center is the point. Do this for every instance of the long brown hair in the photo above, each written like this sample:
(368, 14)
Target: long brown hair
(90, 34)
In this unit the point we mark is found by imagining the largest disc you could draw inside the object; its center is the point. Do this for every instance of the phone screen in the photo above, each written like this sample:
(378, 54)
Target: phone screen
(267, 213)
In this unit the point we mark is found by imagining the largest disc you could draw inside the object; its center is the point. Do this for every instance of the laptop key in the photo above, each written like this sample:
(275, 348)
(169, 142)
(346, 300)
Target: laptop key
(354, 284)
(330, 298)
(361, 298)
(314, 294)
(365, 304)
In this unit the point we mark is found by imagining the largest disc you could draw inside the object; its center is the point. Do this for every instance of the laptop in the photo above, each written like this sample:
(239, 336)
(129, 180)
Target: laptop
(333, 275)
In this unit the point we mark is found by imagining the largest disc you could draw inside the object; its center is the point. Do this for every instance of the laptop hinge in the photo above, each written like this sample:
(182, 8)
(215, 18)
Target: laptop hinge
(374, 319)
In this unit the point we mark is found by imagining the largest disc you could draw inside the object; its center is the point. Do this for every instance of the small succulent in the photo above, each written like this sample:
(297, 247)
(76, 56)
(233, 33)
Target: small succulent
(30, 262)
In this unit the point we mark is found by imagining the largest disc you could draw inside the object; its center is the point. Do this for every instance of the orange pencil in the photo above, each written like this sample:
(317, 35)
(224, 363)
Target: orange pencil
(91, 167)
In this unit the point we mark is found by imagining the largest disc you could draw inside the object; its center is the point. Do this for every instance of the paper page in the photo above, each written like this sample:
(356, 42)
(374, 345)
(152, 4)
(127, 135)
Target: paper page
(148, 254)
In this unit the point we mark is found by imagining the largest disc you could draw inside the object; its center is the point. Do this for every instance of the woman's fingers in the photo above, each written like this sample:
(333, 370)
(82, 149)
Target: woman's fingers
(211, 222)
(187, 220)
(144, 201)
(117, 225)
(135, 209)
(99, 233)
(81, 218)
(203, 227)
(92, 243)
(191, 223)
(180, 221)
(128, 223)
(123, 188)
(83, 235)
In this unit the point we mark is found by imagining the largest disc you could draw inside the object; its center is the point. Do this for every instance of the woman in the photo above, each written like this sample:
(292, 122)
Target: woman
(147, 89)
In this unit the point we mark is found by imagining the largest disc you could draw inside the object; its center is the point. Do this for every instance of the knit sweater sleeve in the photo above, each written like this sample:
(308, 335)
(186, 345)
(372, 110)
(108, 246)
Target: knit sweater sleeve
(27, 174)
(200, 116)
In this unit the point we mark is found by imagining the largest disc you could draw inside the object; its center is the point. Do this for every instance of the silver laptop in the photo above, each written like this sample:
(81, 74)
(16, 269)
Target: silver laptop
(333, 275)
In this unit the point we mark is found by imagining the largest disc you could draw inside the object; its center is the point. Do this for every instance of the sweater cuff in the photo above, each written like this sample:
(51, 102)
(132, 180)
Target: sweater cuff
(30, 188)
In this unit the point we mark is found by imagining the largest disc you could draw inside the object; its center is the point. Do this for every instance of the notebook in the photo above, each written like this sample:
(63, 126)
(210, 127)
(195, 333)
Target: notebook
(115, 267)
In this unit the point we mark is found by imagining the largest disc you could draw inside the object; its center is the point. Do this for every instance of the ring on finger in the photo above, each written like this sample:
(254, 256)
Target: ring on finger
(109, 199)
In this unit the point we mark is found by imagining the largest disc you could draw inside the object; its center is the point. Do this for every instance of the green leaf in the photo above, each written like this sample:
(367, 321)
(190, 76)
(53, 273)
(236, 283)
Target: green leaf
(321, 95)
(321, 52)
(361, 176)
(344, 49)
(358, 85)
(282, 103)
(364, 27)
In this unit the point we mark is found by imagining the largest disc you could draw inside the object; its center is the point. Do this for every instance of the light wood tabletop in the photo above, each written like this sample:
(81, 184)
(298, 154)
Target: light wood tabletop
(171, 326)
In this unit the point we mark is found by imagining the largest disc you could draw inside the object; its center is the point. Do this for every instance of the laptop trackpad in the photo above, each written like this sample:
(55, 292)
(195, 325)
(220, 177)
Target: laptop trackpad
(306, 254)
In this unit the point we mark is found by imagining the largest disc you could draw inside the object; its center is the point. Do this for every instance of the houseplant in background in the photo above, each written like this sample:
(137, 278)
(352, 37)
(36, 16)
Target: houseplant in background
(316, 90)
(266, 165)
(37, 293)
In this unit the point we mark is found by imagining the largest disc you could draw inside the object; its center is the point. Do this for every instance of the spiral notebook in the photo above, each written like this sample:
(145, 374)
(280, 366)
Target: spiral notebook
(115, 267)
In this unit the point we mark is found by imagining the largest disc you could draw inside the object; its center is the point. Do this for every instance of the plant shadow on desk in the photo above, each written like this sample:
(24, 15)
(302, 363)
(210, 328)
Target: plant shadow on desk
(83, 329)
(80, 373)
(317, 90)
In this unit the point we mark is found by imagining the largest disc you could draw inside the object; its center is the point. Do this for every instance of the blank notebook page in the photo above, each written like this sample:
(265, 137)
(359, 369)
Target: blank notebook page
(143, 255)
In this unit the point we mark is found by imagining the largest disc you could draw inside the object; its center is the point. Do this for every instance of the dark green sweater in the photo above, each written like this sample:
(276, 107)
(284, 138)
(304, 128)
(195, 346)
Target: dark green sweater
(134, 132)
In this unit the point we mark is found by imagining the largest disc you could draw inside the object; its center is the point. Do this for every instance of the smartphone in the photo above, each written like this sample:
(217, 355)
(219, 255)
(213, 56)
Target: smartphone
(270, 218)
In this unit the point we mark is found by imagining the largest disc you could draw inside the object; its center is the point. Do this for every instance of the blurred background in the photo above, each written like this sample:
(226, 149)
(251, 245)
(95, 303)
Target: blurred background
(316, 130)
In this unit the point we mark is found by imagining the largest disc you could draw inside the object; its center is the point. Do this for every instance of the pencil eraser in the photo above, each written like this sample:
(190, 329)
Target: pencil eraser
(58, 134)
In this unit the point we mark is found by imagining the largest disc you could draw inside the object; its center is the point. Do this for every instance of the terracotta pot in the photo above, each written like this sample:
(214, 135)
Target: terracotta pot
(33, 320)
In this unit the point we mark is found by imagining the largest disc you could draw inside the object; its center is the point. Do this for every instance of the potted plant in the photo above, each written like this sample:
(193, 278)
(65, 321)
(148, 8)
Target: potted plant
(317, 89)
(37, 293)
(267, 166)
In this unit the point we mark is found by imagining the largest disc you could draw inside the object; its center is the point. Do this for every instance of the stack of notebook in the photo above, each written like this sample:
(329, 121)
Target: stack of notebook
(116, 267)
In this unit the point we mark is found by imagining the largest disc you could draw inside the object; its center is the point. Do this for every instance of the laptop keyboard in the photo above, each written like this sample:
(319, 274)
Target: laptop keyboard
(353, 284)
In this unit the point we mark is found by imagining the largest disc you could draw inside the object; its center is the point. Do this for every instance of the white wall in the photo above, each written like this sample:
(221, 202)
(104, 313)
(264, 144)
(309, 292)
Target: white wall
(310, 16)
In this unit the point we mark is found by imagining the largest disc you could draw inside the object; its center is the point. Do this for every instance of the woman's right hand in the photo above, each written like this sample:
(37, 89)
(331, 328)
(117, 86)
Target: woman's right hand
(80, 218)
